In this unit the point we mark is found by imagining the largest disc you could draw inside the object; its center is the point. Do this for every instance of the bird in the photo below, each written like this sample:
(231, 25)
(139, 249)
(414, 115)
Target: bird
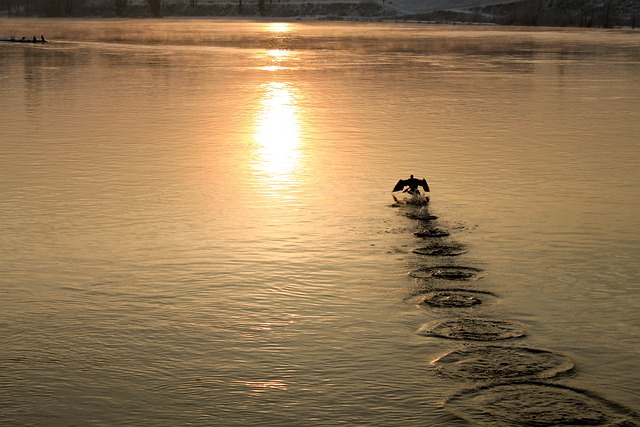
(412, 184)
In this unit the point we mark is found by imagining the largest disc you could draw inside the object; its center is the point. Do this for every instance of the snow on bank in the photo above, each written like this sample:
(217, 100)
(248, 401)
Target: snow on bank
(422, 6)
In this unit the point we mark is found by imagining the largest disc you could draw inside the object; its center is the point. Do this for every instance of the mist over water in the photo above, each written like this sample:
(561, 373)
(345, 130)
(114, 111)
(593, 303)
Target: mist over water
(196, 224)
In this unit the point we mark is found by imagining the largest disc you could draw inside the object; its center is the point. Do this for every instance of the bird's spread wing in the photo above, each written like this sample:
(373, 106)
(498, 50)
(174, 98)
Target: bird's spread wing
(424, 184)
(399, 186)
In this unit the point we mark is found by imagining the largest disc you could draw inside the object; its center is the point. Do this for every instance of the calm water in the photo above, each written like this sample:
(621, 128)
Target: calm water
(196, 224)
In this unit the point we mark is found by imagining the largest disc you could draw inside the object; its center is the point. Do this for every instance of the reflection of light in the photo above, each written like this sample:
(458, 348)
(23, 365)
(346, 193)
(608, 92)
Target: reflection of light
(278, 53)
(277, 56)
(265, 327)
(278, 135)
(279, 27)
(260, 386)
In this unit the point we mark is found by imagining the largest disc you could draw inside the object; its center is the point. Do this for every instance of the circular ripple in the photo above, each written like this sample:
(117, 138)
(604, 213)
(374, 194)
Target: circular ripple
(418, 293)
(450, 299)
(430, 233)
(498, 363)
(446, 272)
(422, 216)
(442, 249)
(536, 404)
(472, 329)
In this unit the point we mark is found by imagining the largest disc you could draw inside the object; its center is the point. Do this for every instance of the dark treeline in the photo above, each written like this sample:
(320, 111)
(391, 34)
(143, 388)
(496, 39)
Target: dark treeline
(584, 13)
(40, 7)
(577, 13)
(125, 8)
(158, 8)
(57, 8)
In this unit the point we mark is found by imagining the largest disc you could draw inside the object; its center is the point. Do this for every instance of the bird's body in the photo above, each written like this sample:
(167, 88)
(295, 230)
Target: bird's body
(412, 185)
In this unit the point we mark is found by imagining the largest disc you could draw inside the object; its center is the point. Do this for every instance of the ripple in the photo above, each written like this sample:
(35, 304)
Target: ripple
(536, 404)
(410, 200)
(447, 272)
(431, 233)
(423, 289)
(421, 216)
(442, 249)
(472, 329)
(490, 363)
(450, 299)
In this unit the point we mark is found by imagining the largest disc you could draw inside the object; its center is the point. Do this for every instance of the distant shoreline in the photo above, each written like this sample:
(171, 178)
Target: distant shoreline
(515, 13)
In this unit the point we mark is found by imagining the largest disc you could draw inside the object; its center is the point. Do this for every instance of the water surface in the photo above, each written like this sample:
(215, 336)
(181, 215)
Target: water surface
(196, 222)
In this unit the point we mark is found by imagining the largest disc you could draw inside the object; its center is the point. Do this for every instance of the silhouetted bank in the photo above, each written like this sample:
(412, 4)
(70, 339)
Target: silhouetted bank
(601, 13)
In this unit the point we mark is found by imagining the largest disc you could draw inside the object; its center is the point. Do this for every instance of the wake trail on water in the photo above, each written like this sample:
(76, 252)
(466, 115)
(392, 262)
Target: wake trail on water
(512, 385)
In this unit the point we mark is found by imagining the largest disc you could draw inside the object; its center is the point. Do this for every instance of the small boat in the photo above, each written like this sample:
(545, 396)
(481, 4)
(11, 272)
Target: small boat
(23, 40)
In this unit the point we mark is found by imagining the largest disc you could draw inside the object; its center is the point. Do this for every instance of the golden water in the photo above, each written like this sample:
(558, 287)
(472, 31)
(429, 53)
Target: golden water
(195, 220)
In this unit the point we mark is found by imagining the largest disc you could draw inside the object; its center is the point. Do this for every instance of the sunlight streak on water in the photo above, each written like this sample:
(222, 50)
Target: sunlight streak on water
(278, 137)
(279, 27)
(280, 59)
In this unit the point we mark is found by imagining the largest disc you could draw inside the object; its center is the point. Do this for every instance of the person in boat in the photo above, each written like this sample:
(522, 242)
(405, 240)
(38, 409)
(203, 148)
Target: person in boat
(411, 185)
(42, 38)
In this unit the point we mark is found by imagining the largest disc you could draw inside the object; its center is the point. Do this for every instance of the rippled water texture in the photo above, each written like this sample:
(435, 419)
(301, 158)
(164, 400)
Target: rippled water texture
(500, 363)
(197, 228)
(538, 404)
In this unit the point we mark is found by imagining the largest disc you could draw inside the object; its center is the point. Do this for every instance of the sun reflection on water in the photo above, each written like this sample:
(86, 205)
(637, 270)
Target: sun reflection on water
(278, 27)
(278, 136)
(277, 57)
